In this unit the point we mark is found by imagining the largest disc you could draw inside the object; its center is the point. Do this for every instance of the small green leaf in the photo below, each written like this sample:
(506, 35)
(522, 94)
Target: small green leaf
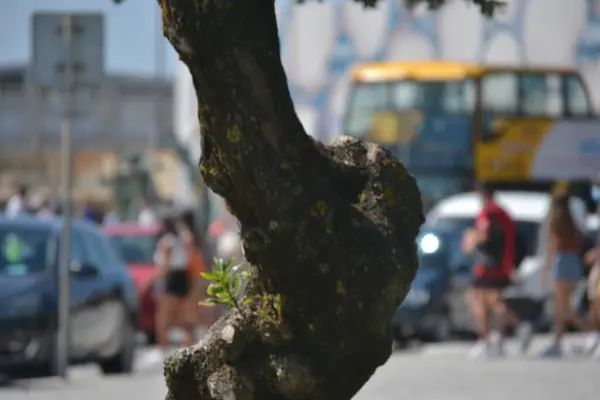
(224, 297)
(225, 280)
(209, 276)
(210, 302)
(248, 300)
(236, 285)
(214, 288)
(218, 265)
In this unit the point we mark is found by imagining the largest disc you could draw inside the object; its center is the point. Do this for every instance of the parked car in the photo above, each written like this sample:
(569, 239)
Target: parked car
(425, 314)
(103, 299)
(137, 245)
(592, 223)
(445, 273)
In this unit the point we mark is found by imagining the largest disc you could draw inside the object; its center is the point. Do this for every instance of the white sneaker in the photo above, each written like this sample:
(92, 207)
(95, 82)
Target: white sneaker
(553, 351)
(495, 346)
(155, 356)
(524, 334)
(596, 354)
(479, 350)
(592, 342)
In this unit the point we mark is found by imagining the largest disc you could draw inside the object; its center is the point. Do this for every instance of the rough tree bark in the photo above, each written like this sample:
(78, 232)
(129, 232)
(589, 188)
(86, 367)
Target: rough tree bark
(329, 228)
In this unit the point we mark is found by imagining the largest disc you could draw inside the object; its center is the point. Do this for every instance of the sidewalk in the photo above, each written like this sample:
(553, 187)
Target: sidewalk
(573, 347)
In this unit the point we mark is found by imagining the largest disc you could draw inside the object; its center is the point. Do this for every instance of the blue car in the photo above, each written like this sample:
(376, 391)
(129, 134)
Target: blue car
(436, 307)
(103, 299)
(425, 312)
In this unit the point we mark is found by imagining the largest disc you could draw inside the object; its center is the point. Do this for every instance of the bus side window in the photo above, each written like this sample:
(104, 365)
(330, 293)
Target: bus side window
(500, 94)
(578, 102)
(542, 95)
(499, 100)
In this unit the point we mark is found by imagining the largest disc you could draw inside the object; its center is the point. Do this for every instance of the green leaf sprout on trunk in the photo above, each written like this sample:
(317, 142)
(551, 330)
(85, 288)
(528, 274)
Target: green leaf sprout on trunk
(225, 284)
(225, 288)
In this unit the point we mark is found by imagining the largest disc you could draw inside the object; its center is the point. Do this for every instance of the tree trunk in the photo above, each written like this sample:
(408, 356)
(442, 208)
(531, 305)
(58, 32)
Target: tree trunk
(330, 229)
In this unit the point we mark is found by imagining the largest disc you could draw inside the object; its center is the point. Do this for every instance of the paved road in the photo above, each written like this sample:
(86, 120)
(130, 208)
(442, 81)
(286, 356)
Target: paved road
(431, 373)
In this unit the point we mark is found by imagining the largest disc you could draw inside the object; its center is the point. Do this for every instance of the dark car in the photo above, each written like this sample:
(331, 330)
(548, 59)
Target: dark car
(436, 308)
(424, 314)
(102, 297)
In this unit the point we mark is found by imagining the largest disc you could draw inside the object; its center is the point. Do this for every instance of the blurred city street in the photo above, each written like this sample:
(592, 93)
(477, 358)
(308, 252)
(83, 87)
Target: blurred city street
(109, 230)
(437, 371)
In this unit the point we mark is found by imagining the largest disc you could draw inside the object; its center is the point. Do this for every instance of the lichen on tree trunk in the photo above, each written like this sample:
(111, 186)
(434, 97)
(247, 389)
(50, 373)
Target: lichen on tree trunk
(331, 229)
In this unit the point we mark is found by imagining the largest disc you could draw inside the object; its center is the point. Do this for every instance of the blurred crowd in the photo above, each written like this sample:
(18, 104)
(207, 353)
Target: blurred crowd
(23, 201)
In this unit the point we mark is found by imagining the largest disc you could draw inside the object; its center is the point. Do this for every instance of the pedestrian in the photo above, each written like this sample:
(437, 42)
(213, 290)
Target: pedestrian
(592, 259)
(172, 285)
(592, 345)
(45, 209)
(198, 264)
(110, 218)
(563, 265)
(17, 204)
(147, 217)
(492, 242)
(91, 211)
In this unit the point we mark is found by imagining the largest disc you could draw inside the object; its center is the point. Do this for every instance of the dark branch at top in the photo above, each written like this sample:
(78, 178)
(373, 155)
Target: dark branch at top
(487, 7)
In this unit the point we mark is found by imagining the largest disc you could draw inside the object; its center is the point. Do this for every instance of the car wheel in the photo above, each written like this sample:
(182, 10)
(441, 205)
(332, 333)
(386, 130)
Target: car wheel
(122, 362)
(150, 337)
(400, 341)
(443, 330)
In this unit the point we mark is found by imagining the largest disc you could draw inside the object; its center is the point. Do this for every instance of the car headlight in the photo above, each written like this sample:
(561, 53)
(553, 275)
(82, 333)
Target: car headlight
(417, 297)
(429, 243)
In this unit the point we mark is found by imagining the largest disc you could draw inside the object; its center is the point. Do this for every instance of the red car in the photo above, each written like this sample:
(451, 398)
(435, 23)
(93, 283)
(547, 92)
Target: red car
(137, 244)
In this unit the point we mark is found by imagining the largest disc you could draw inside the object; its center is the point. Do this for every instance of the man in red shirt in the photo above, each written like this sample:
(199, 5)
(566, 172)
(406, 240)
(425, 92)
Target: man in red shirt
(492, 242)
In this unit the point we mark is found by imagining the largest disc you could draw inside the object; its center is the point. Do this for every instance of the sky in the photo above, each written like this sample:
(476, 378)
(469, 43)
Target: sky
(130, 41)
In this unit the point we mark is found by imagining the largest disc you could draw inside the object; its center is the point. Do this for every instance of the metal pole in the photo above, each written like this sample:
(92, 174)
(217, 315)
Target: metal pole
(159, 70)
(62, 342)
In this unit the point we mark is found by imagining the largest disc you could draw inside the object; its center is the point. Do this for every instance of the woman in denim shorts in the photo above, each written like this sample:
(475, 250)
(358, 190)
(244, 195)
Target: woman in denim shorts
(564, 264)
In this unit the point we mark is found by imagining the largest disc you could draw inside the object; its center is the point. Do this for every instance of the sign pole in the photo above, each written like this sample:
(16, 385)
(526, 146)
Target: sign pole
(67, 55)
(62, 342)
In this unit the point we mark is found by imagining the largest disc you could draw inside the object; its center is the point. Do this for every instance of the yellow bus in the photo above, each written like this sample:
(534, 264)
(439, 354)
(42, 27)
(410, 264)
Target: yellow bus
(452, 123)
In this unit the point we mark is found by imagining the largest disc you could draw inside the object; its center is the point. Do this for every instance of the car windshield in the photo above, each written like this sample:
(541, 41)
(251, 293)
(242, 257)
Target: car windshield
(26, 250)
(136, 249)
(450, 232)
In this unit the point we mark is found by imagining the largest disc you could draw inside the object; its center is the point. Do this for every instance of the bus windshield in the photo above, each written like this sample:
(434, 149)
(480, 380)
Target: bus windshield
(426, 124)
(437, 97)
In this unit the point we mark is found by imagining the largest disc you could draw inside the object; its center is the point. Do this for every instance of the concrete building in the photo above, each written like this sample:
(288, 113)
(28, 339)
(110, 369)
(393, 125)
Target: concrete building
(127, 114)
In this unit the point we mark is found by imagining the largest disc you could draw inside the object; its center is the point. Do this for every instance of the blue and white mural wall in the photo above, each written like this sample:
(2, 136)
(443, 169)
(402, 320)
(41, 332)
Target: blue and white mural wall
(322, 40)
